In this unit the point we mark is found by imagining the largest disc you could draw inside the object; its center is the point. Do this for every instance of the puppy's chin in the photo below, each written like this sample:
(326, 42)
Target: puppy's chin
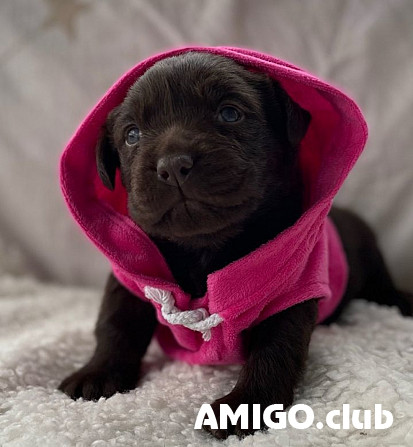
(196, 224)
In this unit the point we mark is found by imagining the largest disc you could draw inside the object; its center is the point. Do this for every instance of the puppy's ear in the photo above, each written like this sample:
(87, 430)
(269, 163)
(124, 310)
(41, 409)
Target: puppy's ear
(107, 157)
(295, 119)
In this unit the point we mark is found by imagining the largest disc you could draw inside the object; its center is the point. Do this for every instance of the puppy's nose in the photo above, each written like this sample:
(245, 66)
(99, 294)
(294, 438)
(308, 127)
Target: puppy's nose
(174, 170)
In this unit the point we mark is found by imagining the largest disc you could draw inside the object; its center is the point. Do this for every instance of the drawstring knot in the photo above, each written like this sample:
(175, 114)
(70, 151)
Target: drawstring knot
(197, 320)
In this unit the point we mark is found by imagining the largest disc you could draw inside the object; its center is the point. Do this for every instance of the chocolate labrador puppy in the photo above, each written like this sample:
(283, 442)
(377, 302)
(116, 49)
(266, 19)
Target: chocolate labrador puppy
(238, 174)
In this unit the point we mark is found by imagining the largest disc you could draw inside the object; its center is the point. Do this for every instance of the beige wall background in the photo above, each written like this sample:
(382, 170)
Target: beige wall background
(57, 57)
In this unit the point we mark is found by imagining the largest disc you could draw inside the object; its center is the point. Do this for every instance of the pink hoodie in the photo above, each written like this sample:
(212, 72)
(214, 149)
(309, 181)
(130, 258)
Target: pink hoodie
(304, 261)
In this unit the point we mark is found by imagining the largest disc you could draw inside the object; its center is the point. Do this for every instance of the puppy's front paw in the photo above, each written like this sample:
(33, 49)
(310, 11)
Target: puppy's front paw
(94, 381)
(234, 400)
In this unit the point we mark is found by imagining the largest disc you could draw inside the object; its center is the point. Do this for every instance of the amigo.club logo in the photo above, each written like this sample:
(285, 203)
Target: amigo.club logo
(335, 419)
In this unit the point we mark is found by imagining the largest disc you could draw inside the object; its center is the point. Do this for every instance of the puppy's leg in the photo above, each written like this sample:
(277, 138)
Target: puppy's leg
(369, 277)
(123, 331)
(276, 352)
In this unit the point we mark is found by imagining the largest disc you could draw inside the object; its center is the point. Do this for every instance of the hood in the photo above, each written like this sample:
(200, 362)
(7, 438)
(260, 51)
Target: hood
(334, 140)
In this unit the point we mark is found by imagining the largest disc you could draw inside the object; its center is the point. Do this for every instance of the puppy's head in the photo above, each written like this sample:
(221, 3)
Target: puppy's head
(201, 142)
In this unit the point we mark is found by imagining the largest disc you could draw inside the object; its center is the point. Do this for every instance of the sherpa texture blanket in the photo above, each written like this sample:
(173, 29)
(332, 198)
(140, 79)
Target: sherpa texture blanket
(46, 332)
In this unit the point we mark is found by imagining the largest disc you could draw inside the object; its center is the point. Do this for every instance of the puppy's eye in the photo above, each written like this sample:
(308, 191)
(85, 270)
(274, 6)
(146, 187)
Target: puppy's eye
(133, 136)
(229, 114)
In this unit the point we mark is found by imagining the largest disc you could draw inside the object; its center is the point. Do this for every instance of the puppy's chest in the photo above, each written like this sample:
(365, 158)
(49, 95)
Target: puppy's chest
(191, 273)
(192, 282)
(191, 270)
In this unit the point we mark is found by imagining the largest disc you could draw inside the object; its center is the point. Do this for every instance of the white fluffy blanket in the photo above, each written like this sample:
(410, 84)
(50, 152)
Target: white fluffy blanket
(46, 332)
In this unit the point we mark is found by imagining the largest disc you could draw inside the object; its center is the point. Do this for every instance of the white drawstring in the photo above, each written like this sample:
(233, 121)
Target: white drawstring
(197, 320)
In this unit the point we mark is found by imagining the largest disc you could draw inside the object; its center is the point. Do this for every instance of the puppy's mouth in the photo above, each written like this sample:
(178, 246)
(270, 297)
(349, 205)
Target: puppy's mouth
(187, 210)
(189, 217)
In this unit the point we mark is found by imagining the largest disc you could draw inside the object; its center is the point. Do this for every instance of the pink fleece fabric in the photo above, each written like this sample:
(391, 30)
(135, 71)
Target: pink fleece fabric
(304, 261)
